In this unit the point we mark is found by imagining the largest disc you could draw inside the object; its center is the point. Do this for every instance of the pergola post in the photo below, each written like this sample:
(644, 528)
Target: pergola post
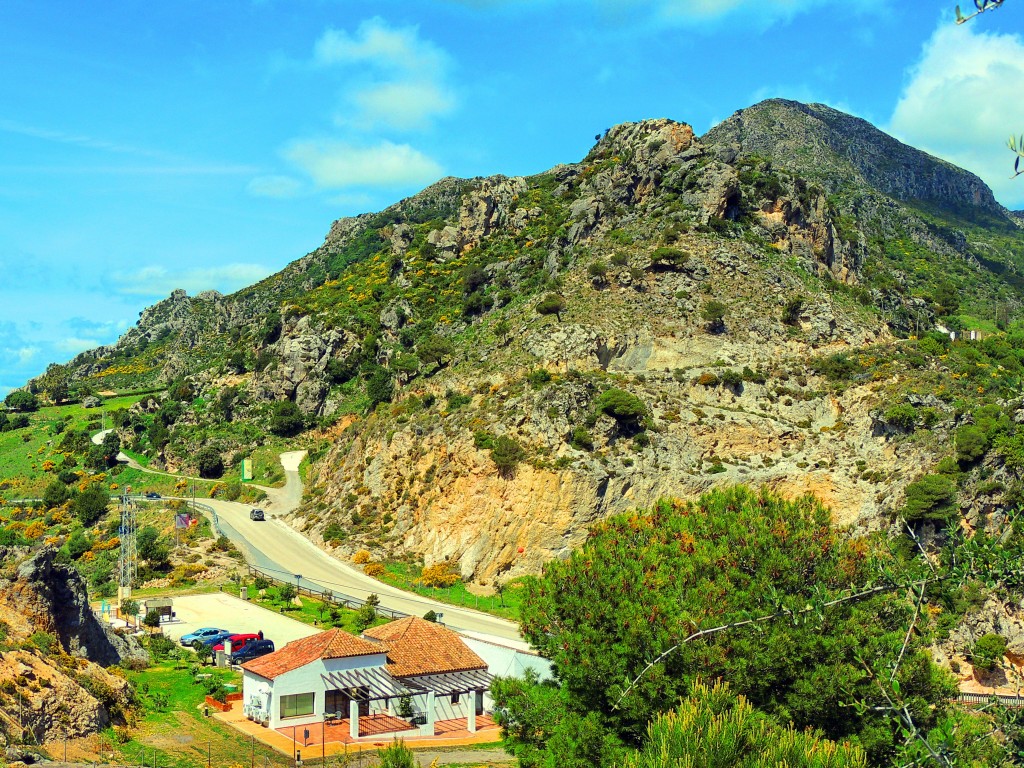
(431, 716)
(353, 718)
(471, 717)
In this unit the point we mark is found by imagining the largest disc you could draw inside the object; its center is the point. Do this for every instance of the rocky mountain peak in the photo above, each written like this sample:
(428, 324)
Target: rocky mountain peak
(829, 146)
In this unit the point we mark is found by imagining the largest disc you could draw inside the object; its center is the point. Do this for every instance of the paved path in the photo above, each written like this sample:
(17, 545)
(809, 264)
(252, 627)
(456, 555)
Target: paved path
(276, 546)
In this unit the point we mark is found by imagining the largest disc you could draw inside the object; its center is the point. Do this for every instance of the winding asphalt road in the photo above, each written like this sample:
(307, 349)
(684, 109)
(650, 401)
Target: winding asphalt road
(275, 546)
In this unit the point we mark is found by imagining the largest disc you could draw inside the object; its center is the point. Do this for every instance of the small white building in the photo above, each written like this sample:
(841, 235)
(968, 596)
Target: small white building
(407, 675)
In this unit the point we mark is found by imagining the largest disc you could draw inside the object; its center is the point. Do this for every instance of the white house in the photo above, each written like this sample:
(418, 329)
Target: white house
(407, 674)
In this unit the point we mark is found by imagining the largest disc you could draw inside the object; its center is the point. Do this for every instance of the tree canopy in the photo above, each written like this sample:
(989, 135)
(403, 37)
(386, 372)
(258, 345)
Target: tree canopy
(645, 582)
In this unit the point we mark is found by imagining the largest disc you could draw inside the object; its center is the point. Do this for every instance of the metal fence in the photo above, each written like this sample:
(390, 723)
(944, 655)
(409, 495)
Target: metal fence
(326, 595)
(1014, 702)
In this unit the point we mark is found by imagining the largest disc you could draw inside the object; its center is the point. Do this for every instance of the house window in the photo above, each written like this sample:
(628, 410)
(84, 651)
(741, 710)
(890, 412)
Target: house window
(455, 698)
(297, 705)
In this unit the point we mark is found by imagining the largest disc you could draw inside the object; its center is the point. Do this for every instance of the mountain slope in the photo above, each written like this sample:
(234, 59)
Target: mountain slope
(493, 364)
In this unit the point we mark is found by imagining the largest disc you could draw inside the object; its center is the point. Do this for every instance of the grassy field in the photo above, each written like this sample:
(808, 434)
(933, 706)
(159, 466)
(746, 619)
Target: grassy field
(405, 576)
(24, 451)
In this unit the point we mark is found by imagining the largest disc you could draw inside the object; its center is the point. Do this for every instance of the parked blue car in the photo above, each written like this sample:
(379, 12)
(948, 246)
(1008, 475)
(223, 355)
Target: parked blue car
(253, 650)
(206, 636)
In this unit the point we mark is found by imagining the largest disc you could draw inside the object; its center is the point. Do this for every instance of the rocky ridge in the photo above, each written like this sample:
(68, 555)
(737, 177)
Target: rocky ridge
(55, 653)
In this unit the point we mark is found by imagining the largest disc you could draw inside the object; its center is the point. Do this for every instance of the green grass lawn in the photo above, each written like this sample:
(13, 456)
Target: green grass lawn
(404, 576)
(23, 451)
(172, 728)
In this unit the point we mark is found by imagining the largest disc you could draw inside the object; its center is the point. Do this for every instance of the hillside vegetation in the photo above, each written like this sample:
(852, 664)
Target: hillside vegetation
(484, 370)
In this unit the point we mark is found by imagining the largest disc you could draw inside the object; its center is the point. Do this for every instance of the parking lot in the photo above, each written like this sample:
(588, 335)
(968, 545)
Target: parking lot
(228, 612)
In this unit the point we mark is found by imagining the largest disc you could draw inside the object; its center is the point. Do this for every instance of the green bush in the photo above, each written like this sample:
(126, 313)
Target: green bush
(714, 314)
(581, 439)
(791, 311)
(380, 387)
(91, 504)
(971, 444)
(715, 727)
(837, 367)
(933, 498)
(902, 416)
(732, 379)
(620, 405)
(506, 454)
(551, 304)
(673, 258)
(209, 462)
(988, 651)
(286, 419)
(396, 755)
(538, 377)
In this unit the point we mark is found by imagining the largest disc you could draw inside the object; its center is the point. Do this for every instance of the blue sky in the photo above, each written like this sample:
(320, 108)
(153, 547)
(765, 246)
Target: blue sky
(150, 146)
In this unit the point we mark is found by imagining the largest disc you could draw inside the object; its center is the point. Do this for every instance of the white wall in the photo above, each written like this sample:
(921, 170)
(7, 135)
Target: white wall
(505, 661)
(306, 679)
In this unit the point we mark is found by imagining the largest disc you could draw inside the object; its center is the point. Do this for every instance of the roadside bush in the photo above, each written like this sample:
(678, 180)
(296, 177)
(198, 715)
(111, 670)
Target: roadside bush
(374, 570)
(440, 575)
(361, 557)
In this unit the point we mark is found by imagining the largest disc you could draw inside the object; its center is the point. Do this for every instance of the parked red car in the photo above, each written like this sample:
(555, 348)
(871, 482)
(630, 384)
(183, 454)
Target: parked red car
(238, 642)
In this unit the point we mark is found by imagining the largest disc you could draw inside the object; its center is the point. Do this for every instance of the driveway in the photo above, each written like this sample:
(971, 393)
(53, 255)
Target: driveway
(220, 609)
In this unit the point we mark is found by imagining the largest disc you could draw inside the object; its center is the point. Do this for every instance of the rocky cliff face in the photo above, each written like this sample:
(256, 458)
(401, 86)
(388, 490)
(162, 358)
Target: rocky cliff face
(56, 679)
(52, 597)
(825, 144)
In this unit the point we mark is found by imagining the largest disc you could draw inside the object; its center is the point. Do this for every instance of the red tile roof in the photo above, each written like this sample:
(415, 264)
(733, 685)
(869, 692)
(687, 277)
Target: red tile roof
(332, 644)
(419, 647)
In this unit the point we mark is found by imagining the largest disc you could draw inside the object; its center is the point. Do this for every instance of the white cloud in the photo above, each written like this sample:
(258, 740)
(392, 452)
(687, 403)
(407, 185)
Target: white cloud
(22, 355)
(405, 106)
(159, 281)
(394, 79)
(72, 345)
(281, 187)
(377, 43)
(962, 100)
(335, 164)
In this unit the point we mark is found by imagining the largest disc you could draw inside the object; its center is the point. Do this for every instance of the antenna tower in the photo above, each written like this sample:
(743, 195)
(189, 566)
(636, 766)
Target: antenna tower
(128, 560)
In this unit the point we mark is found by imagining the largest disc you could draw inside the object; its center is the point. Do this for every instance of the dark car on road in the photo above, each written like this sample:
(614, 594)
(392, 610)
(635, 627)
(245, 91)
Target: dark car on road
(152, 495)
(253, 650)
(256, 514)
